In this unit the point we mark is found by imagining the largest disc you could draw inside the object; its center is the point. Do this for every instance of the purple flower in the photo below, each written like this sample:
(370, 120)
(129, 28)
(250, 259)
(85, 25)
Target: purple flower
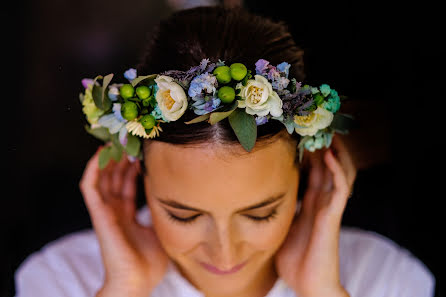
(261, 66)
(273, 74)
(280, 83)
(130, 74)
(86, 82)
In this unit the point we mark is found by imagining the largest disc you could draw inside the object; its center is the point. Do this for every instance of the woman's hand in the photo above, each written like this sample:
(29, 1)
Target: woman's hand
(308, 260)
(133, 258)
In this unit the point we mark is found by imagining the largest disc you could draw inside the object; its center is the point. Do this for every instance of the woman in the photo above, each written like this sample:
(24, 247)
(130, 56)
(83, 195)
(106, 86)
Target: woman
(221, 221)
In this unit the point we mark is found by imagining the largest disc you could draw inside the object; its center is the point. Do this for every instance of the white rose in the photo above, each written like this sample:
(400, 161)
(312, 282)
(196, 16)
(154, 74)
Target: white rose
(318, 119)
(259, 98)
(171, 98)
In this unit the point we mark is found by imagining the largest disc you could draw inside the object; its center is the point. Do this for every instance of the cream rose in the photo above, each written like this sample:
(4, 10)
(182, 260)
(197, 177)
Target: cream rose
(171, 98)
(259, 98)
(318, 119)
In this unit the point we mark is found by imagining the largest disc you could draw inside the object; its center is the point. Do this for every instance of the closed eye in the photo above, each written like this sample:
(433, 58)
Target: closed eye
(192, 218)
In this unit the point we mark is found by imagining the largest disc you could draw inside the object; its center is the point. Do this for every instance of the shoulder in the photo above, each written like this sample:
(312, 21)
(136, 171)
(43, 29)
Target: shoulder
(374, 265)
(68, 266)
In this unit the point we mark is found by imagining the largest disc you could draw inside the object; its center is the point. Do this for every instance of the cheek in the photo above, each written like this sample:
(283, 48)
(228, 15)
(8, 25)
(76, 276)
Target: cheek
(173, 237)
(270, 235)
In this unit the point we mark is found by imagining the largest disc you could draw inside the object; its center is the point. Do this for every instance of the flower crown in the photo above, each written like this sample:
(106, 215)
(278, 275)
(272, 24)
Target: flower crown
(123, 113)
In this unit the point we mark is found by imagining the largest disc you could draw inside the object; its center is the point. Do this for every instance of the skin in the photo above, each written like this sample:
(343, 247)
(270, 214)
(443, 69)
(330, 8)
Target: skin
(301, 248)
(220, 236)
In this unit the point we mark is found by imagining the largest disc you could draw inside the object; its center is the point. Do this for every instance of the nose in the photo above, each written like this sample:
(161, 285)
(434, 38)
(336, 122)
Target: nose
(223, 246)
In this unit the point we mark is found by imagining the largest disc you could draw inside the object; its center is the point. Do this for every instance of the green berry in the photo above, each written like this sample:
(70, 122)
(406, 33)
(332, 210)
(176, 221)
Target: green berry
(238, 71)
(148, 121)
(143, 92)
(127, 91)
(318, 99)
(129, 110)
(223, 74)
(226, 94)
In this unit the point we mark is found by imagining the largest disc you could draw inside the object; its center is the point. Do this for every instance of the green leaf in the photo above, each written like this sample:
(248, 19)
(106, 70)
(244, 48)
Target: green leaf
(139, 79)
(133, 145)
(81, 97)
(342, 123)
(104, 157)
(101, 133)
(201, 118)
(218, 116)
(245, 128)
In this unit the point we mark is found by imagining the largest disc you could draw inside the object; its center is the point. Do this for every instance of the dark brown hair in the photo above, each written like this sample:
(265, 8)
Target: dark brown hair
(231, 35)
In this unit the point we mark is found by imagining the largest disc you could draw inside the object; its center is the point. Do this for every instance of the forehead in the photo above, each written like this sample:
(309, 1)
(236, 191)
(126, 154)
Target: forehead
(210, 176)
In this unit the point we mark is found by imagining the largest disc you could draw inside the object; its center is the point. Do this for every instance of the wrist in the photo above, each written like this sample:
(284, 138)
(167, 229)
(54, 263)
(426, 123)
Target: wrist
(130, 289)
(341, 292)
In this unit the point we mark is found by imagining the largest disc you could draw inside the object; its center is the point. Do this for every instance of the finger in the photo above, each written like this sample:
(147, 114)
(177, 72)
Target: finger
(341, 187)
(88, 185)
(343, 154)
(104, 183)
(117, 176)
(315, 177)
(129, 190)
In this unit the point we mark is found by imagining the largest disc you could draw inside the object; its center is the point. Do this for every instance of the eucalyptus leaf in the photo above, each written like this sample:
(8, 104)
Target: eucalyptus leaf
(218, 116)
(342, 123)
(116, 142)
(133, 145)
(104, 157)
(101, 133)
(201, 118)
(141, 78)
(100, 100)
(116, 152)
(245, 128)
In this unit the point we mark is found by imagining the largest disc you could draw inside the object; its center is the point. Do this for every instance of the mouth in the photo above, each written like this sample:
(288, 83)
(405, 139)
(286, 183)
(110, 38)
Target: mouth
(217, 271)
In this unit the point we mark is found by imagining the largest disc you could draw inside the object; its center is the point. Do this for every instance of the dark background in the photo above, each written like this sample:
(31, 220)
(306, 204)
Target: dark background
(386, 55)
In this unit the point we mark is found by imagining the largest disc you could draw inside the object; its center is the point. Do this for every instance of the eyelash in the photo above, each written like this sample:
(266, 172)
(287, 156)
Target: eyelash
(191, 219)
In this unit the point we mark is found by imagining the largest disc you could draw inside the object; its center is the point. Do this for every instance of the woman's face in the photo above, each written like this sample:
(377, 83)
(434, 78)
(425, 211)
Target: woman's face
(211, 207)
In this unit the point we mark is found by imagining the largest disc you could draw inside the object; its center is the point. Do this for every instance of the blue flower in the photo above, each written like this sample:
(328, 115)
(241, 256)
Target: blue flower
(284, 67)
(325, 90)
(204, 82)
(261, 120)
(130, 74)
(117, 112)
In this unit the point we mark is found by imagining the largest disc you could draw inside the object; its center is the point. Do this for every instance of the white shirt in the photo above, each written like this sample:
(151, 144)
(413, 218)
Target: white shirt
(370, 265)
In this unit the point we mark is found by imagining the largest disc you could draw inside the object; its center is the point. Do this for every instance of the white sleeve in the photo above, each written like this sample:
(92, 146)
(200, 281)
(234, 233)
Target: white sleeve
(67, 267)
(372, 265)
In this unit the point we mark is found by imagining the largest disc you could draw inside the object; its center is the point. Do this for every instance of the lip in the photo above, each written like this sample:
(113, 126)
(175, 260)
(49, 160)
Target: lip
(215, 270)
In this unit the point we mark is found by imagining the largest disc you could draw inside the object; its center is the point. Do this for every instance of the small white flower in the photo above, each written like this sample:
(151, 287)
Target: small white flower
(171, 98)
(135, 128)
(259, 97)
(310, 124)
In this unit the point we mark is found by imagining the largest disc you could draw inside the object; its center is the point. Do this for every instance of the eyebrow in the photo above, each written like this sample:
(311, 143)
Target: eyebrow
(265, 202)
